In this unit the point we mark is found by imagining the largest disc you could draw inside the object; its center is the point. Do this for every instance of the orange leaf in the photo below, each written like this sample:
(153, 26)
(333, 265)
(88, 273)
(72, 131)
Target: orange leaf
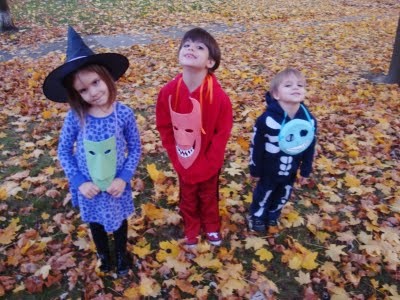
(7, 235)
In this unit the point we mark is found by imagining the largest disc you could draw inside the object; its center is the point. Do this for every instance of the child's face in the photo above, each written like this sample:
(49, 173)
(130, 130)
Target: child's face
(195, 55)
(291, 90)
(92, 88)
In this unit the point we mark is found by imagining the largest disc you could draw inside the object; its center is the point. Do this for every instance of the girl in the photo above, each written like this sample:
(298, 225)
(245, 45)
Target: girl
(102, 131)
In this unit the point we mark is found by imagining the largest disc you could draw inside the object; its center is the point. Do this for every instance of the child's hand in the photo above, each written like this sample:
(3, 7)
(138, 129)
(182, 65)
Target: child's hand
(116, 187)
(89, 189)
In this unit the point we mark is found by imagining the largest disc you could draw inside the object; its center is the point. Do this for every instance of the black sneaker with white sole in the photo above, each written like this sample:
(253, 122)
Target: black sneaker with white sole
(256, 224)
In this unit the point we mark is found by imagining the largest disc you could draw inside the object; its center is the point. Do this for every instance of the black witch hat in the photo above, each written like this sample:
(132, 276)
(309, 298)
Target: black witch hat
(79, 55)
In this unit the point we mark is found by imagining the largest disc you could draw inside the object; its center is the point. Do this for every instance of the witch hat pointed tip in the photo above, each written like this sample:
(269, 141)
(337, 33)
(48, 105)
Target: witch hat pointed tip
(76, 47)
(72, 34)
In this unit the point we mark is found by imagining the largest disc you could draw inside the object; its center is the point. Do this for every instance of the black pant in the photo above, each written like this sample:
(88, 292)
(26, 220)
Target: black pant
(100, 237)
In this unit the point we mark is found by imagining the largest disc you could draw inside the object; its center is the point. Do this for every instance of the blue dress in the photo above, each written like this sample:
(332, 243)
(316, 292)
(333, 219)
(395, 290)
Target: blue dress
(103, 208)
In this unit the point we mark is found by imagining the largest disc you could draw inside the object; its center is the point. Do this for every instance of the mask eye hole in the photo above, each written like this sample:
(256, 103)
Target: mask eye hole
(189, 130)
(303, 132)
(92, 153)
(107, 151)
(290, 138)
(175, 128)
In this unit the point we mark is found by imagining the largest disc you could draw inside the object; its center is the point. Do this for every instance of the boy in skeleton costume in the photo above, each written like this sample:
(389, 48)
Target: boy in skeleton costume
(194, 119)
(283, 142)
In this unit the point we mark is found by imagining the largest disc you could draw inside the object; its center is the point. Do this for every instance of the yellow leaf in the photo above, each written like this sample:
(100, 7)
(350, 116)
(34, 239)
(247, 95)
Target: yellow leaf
(45, 216)
(231, 285)
(46, 114)
(142, 251)
(299, 257)
(292, 219)
(327, 165)
(295, 262)
(168, 249)
(248, 198)
(259, 267)
(329, 269)
(309, 261)
(149, 287)
(178, 266)
(354, 154)
(132, 293)
(243, 143)
(155, 175)
(255, 242)
(264, 254)
(322, 236)
(27, 246)
(49, 170)
(234, 169)
(206, 261)
(32, 83)
(152, 212)
(8, 234)
(258, 80)
(3, 194)
(351, 181)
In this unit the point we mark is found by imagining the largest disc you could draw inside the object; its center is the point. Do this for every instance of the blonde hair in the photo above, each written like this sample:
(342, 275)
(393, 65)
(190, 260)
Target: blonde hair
(282, 75)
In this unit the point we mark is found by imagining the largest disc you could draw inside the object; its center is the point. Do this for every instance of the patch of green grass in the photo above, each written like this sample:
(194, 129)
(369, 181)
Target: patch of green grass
(8, 149)
(99, 12)
(9, 170)
(42, 162)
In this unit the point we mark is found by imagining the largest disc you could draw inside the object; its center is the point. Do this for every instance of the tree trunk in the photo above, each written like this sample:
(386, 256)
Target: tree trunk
(6, 22)
(394, 70)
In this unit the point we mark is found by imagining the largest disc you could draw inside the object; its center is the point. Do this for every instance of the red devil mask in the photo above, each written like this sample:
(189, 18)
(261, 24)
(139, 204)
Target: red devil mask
(187, 133)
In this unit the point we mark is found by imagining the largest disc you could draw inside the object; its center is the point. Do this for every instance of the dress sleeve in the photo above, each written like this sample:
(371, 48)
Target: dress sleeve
(132, 138)
(66, 155)
(257, 147)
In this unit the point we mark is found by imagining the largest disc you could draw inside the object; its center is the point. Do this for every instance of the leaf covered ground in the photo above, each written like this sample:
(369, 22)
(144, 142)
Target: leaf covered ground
(338, 238)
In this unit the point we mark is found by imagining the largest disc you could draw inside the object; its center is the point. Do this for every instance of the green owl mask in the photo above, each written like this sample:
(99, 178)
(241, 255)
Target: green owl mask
(101, 159)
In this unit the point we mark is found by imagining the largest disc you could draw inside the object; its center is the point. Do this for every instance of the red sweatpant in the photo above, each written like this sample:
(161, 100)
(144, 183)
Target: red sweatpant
(199, 206)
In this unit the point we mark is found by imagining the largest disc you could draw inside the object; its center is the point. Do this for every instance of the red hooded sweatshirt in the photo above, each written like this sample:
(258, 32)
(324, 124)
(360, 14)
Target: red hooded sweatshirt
(216, 123)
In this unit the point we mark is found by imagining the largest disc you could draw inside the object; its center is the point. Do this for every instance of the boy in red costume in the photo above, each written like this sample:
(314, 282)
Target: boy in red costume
(194, 119)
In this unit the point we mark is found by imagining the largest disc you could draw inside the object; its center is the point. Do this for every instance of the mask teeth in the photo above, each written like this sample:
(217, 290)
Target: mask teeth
(185, 153)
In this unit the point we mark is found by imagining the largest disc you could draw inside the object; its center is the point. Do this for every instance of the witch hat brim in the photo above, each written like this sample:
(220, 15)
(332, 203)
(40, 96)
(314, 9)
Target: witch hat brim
(78, 56)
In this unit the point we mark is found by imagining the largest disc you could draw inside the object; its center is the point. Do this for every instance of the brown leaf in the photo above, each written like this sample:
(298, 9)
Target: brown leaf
(34, 284)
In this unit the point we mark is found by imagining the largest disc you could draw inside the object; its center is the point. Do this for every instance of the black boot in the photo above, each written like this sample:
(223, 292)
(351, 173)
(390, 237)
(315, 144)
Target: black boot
(122, 260)
(100, 239)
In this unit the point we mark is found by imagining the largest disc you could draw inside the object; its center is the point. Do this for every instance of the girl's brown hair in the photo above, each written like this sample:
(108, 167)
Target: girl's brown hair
(80, 106)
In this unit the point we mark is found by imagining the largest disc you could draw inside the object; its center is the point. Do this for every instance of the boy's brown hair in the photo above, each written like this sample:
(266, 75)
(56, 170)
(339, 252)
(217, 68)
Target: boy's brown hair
(200, 35)
(79, 105)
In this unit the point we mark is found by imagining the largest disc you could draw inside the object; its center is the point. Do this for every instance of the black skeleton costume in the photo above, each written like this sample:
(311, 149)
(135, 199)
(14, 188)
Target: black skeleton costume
(275, 159)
